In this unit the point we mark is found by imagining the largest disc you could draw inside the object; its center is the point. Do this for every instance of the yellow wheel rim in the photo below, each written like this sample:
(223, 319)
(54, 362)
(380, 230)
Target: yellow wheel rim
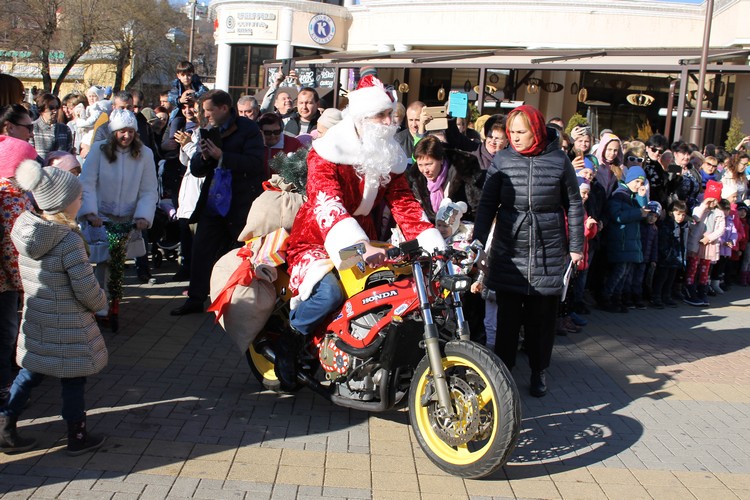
(264, 366)
(463, 454)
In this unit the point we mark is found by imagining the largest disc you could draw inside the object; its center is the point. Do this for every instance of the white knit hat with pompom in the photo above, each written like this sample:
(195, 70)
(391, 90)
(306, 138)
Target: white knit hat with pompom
(53, 189)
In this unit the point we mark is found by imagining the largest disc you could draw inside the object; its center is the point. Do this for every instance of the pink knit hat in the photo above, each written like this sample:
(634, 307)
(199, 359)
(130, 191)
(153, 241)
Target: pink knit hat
(12, 152)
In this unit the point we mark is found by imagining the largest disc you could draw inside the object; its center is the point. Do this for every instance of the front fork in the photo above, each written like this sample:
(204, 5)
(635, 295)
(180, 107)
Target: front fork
(432, 344)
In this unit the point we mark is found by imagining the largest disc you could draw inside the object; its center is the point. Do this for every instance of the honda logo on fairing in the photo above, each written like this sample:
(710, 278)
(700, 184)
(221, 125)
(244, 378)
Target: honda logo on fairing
(379, 296)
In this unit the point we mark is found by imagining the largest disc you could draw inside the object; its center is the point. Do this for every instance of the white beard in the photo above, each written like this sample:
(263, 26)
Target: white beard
(380, 154)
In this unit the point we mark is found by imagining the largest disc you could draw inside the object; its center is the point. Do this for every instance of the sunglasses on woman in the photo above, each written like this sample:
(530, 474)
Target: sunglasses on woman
(635, 159)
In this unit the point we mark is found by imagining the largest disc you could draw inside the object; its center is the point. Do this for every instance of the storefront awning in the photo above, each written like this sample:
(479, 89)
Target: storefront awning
(654, 60)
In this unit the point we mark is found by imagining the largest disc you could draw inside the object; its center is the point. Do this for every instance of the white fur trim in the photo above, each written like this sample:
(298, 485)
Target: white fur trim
(314, 273)
(340, 144)
(430, 239)
(368, 200)
(344, 233)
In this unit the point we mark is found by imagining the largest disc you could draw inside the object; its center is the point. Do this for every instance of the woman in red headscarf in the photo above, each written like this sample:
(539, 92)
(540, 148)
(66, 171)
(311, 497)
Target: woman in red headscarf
(530, 188)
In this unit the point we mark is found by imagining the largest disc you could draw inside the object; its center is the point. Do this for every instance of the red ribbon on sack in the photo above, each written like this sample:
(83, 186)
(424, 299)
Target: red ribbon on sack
(242, 276)
(267, 186)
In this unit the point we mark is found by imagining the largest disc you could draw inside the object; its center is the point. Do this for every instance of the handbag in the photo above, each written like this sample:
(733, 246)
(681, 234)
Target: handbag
(136, 246)
(220, 192)
(96, 238)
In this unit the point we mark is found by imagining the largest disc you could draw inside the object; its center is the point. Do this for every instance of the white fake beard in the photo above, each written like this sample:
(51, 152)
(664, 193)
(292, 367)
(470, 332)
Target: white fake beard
(379, 155)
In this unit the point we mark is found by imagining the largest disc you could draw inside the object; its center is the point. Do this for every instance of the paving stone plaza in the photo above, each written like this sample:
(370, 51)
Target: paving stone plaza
(650, 404)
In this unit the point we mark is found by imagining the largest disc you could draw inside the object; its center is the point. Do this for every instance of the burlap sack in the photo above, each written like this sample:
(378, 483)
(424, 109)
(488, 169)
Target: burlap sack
(251, 306)
(272, 210)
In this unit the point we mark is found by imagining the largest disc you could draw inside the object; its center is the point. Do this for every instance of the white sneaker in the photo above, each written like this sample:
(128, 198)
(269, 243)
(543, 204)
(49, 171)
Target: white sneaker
(716, 288)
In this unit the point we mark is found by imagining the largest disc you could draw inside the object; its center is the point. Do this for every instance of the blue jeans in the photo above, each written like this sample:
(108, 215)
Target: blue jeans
(619, 274)
(73, 404)
(8, 335)
(326, 296)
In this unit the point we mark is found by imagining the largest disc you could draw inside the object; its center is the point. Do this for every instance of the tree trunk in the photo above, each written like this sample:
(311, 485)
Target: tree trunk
(122, 58)
(85, 47)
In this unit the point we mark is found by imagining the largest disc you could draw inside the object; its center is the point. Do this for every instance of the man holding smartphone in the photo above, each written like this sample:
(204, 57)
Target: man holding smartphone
(241, 152)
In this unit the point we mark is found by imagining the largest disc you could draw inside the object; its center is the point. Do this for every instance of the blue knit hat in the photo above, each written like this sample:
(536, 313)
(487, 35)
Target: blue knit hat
(635, 172)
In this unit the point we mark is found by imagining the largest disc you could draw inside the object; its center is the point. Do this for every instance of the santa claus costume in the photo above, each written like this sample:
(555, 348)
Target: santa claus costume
(354, 167)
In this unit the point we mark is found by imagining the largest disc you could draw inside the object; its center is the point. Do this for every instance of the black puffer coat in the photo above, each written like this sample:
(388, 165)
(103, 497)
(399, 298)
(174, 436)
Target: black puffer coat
(529, 196)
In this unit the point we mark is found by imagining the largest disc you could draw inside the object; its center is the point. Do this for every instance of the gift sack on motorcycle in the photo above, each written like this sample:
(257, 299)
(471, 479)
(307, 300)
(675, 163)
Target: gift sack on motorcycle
(276, 207)
(243, 295)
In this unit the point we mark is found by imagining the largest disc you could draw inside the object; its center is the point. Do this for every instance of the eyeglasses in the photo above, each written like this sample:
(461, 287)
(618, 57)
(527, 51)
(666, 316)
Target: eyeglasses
(712, 164)
(27, 126)
(495, 139)
(635, 159)
(656, 150)
(269, 133)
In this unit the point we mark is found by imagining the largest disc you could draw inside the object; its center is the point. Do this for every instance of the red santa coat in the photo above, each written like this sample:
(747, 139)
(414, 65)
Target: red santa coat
(338, 209)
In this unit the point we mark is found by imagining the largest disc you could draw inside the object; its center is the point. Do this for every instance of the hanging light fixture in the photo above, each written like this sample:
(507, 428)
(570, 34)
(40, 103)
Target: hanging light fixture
(640, 99)
(441, 93)
(467, 86)
(532, 85)
(552, 87)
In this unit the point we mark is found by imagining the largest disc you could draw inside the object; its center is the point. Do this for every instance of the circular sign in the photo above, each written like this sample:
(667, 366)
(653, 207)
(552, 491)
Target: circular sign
(230, 23)
(322, 29)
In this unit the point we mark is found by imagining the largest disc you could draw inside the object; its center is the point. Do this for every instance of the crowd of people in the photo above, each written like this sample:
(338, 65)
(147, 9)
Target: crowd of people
(635, 224)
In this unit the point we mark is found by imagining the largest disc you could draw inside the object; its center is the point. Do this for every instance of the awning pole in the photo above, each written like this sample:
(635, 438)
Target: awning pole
(680, 105)
(480, 94)
(696, 130)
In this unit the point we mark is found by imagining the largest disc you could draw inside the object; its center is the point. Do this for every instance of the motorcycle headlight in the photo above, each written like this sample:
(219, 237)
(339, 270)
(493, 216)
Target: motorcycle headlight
(456, 283)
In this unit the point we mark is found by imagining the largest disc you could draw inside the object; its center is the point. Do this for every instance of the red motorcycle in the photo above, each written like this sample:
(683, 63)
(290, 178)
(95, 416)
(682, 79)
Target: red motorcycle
(401, 335)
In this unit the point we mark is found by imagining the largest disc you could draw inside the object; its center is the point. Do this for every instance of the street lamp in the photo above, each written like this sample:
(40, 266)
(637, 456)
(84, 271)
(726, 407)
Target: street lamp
(192, 4)
(697, 129)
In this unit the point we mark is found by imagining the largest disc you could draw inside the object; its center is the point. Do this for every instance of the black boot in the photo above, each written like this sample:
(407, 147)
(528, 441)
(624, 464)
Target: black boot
(79, 440)
(538, 386)
(691, 296)
(288, 348)
(10, 441)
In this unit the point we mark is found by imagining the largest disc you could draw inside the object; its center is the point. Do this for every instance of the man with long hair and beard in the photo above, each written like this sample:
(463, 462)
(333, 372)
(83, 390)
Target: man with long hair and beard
(352, 169)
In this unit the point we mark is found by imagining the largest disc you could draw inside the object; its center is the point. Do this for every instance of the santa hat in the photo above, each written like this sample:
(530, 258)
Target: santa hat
(13, 151)
(122, 118)
(370, 98)
(450, 213)
(713, 190)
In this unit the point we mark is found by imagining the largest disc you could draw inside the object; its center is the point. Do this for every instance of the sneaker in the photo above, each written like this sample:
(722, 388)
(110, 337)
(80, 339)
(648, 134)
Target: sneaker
(670, 303)
(657, 304)
(692, 301)
(577, 320)
(640, 305)
(623, 308)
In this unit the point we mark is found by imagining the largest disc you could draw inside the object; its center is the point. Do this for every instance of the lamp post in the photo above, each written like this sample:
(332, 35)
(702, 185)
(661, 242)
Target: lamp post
(697, 129)
(192, 4)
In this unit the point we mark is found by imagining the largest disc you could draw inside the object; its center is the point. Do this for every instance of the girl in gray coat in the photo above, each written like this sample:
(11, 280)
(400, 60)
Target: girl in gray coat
(59, 336)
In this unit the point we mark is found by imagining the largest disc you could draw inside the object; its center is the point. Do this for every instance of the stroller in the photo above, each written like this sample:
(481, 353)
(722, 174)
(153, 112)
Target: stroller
(164, 234)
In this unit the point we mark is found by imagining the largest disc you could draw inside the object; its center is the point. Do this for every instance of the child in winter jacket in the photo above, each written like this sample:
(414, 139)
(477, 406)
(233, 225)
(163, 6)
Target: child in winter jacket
(59, 336)
(640, 285)
(728, 242)
(623, 238)
(704, 241)
(742, 254)
(673, 234)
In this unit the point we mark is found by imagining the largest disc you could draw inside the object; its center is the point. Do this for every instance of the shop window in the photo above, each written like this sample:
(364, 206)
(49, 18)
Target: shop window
(247, 75)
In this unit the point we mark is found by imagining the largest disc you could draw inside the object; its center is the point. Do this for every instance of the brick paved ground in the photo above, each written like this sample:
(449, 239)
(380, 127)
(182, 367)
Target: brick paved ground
(652, 404)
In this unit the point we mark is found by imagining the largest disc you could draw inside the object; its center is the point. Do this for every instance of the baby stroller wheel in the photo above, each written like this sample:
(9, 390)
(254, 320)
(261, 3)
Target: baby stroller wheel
(157, 258)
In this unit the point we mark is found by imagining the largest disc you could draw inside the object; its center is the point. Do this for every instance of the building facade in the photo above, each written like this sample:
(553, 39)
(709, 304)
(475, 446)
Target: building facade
(630, 56)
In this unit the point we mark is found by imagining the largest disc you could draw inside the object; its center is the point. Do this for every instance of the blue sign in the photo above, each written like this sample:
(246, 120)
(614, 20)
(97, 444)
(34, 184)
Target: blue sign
(322, 29)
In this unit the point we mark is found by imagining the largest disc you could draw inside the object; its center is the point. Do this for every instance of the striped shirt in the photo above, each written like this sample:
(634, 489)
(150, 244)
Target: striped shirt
(48, 138)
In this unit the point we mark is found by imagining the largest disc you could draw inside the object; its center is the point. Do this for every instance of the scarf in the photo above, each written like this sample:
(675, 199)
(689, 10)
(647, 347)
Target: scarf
(538, 128)
(436, 187)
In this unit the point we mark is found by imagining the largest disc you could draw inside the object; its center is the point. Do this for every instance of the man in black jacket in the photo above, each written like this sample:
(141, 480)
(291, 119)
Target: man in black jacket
(407, 137)
(241, 152)
(305, 119)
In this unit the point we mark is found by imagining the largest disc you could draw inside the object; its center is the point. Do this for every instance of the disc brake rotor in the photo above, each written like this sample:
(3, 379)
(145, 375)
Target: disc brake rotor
(462, 428)
(485, 414)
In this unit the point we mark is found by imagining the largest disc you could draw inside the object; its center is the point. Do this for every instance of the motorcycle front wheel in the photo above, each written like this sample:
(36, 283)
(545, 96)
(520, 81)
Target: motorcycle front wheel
(484, 432)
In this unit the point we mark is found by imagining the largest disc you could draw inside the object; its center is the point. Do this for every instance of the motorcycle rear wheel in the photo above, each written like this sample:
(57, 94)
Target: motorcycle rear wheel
(485, 398)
